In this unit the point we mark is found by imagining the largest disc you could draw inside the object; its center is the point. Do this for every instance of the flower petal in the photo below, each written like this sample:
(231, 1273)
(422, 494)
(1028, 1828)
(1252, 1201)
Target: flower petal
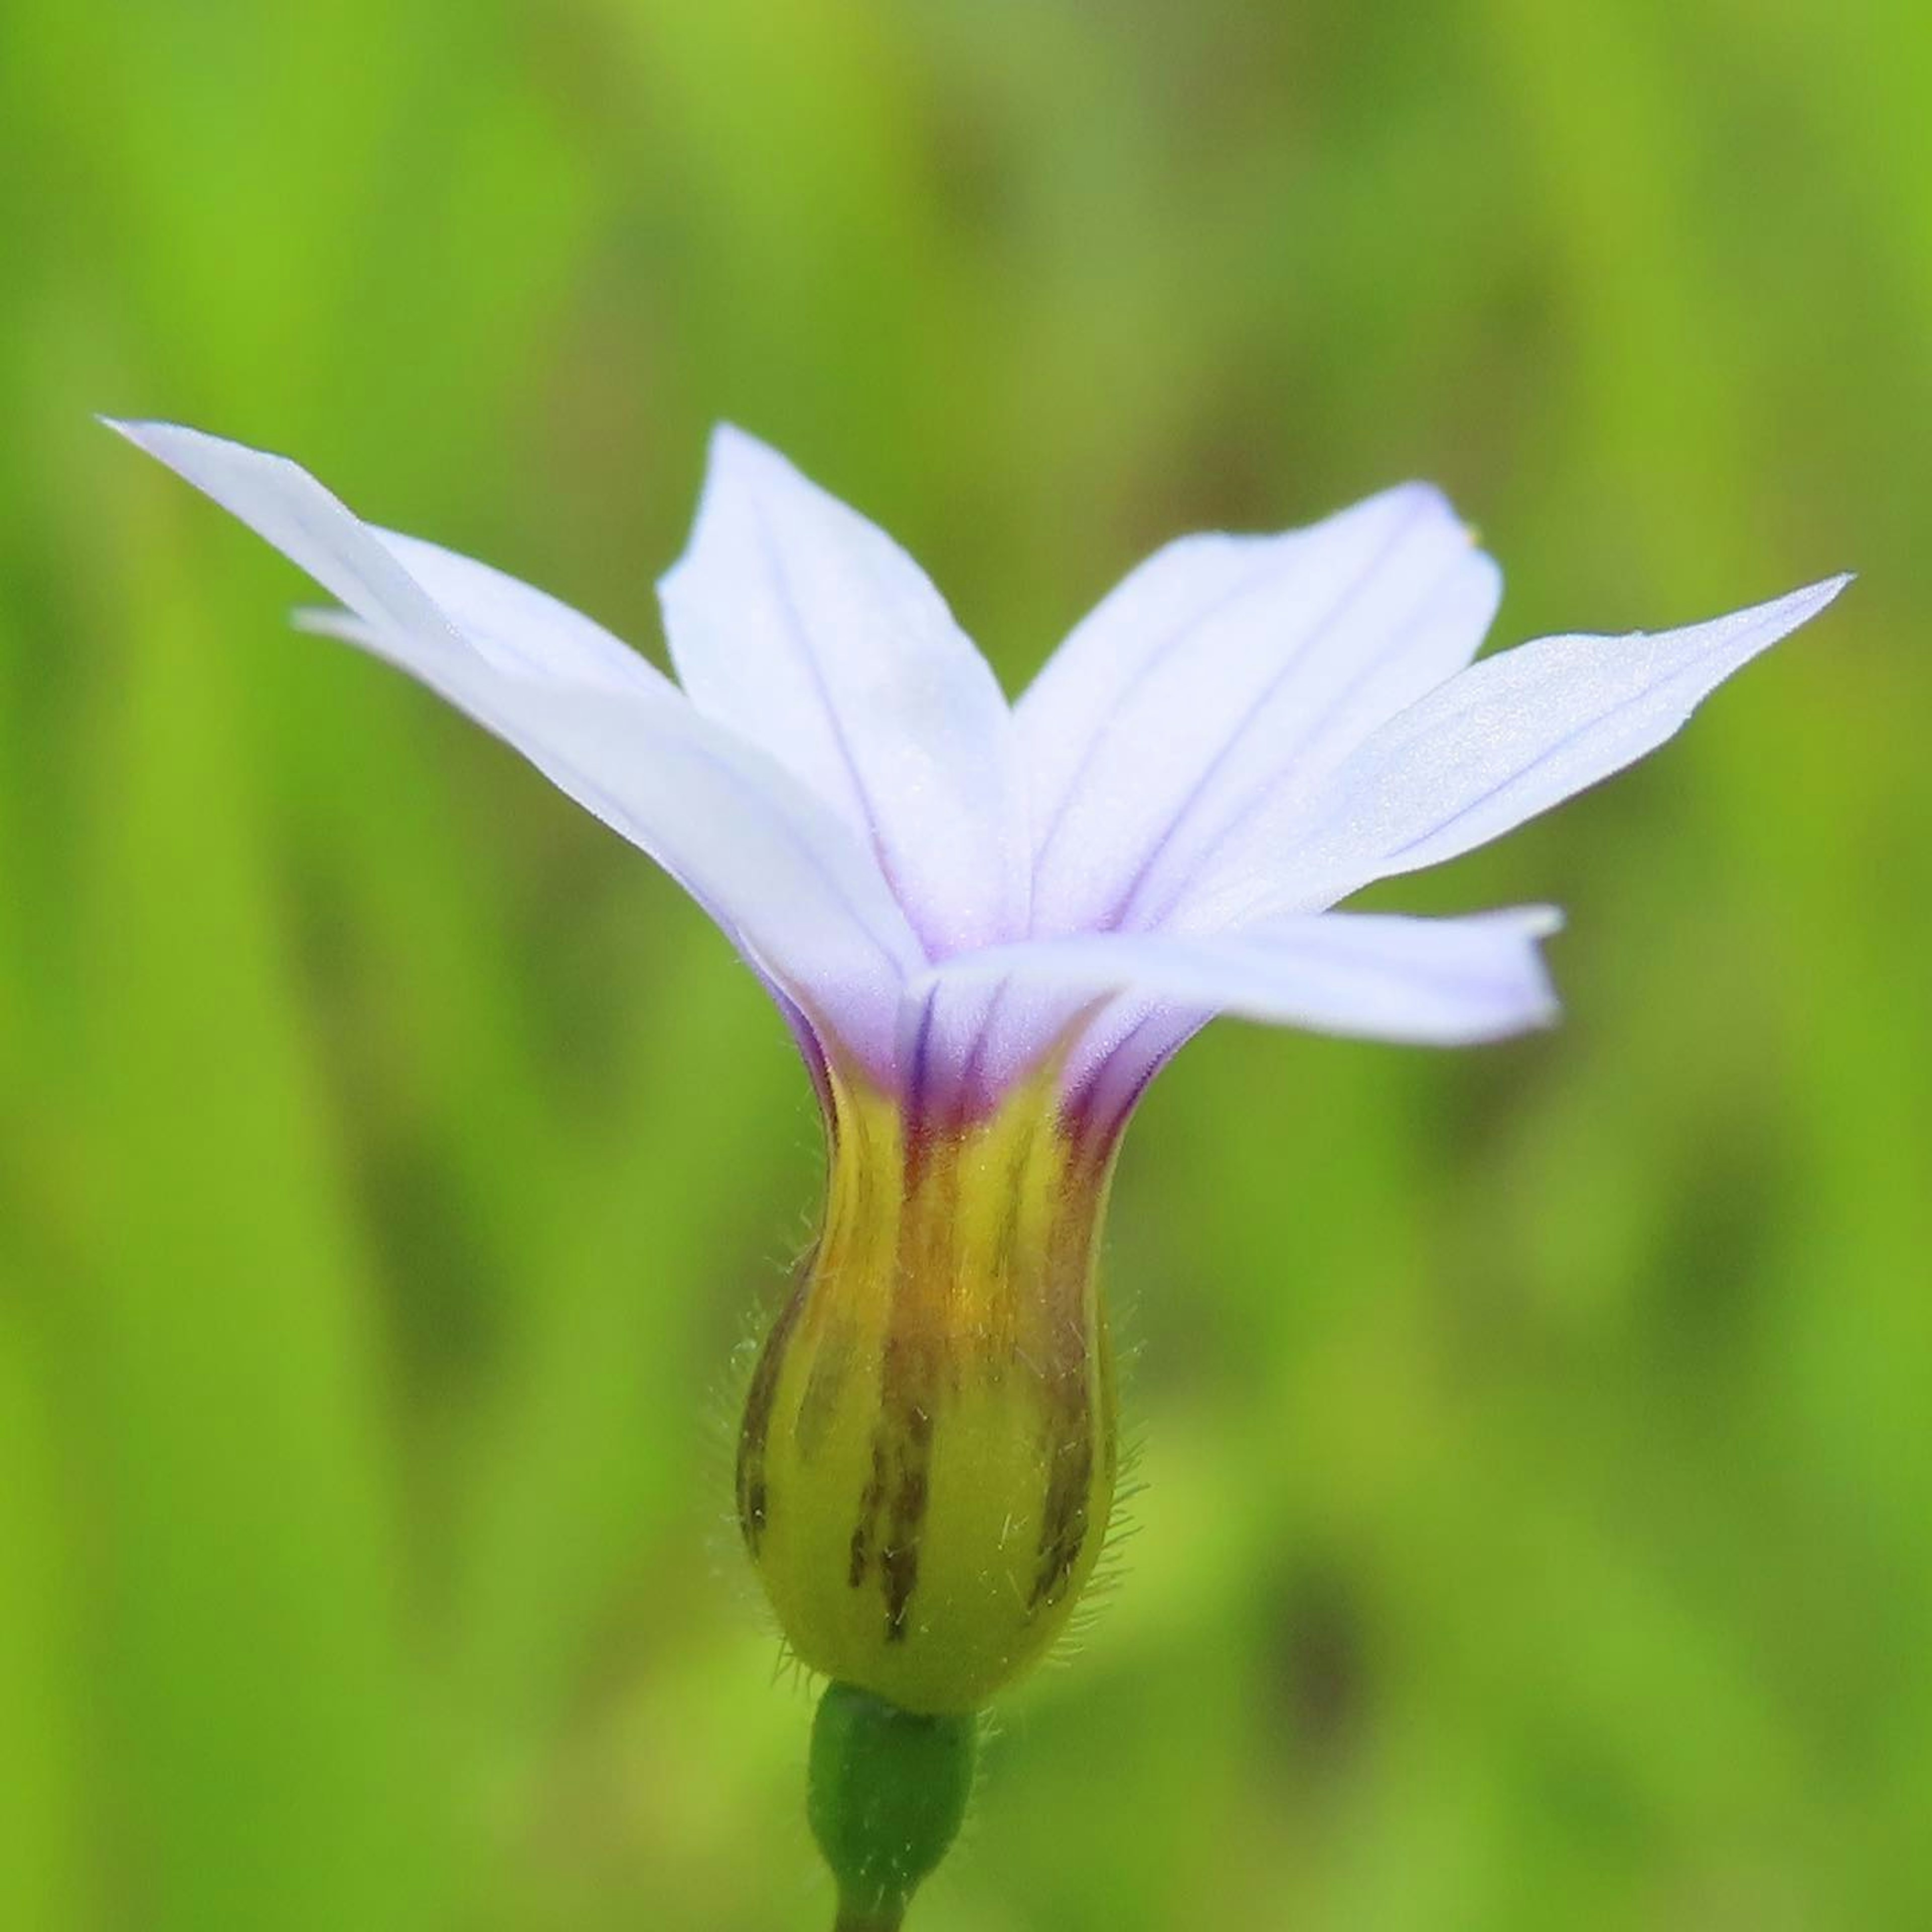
(1116, 1006)
(523, 630)
(1376, 976)
(806, 630)
(1221, 668)
(769, 863)
(1509, 738)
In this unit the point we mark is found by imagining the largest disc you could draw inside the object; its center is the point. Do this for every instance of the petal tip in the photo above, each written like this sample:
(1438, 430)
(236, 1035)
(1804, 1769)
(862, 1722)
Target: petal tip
(143, 434)
(736, 464)
(728, 444)
(1801, 605)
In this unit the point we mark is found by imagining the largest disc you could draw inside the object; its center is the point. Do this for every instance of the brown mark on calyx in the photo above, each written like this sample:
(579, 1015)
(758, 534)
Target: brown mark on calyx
(1062, 1528)
(756, 1429)
(1066, 1434)
(905, 1519)
(893, 1507)
(870, 1500)
(831, 1363)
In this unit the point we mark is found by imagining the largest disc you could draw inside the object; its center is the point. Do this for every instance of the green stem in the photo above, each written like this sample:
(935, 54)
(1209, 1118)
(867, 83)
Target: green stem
(886, 1796)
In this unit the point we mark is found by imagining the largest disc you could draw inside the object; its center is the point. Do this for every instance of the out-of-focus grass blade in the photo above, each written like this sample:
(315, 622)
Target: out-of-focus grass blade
(47, 1862)
(272, 1764)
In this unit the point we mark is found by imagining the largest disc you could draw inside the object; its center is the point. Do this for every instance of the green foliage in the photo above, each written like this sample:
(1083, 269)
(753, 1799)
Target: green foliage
(1537, 1440)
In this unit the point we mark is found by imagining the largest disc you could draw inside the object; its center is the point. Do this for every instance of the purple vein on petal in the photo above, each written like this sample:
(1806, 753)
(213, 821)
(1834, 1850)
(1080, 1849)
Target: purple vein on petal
(1124, 906)
(772, 551)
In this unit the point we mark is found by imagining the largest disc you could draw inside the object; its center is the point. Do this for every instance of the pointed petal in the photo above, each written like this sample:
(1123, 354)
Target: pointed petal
(1509, 738)
(1222, 668)
(1359, 974)
(522, 630)
(765, 859)
(807, 630)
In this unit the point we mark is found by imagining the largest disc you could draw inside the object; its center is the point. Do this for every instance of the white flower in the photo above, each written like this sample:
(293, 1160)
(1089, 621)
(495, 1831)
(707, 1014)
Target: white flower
(988, 925)
(937, 886)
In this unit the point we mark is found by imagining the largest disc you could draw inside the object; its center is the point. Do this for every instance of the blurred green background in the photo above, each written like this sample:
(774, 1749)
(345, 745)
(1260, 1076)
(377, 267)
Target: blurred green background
(1539, 1525)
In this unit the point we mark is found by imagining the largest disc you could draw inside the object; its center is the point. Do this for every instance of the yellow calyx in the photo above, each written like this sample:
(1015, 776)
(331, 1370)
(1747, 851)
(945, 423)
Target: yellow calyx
(928, 1459)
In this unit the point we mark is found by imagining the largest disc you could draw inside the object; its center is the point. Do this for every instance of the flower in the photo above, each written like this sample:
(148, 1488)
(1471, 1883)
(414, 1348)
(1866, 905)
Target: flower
(989, 925)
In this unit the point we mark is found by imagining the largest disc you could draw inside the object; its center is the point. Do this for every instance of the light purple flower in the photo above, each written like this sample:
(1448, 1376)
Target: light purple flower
(939, 887)
(988, 925)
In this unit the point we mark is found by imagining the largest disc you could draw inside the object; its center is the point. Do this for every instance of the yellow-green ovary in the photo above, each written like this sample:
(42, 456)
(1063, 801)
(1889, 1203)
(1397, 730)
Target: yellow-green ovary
(928, 1459)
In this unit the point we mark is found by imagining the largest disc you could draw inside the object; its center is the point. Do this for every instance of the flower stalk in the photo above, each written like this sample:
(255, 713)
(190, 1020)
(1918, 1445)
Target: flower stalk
(886, 1795)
